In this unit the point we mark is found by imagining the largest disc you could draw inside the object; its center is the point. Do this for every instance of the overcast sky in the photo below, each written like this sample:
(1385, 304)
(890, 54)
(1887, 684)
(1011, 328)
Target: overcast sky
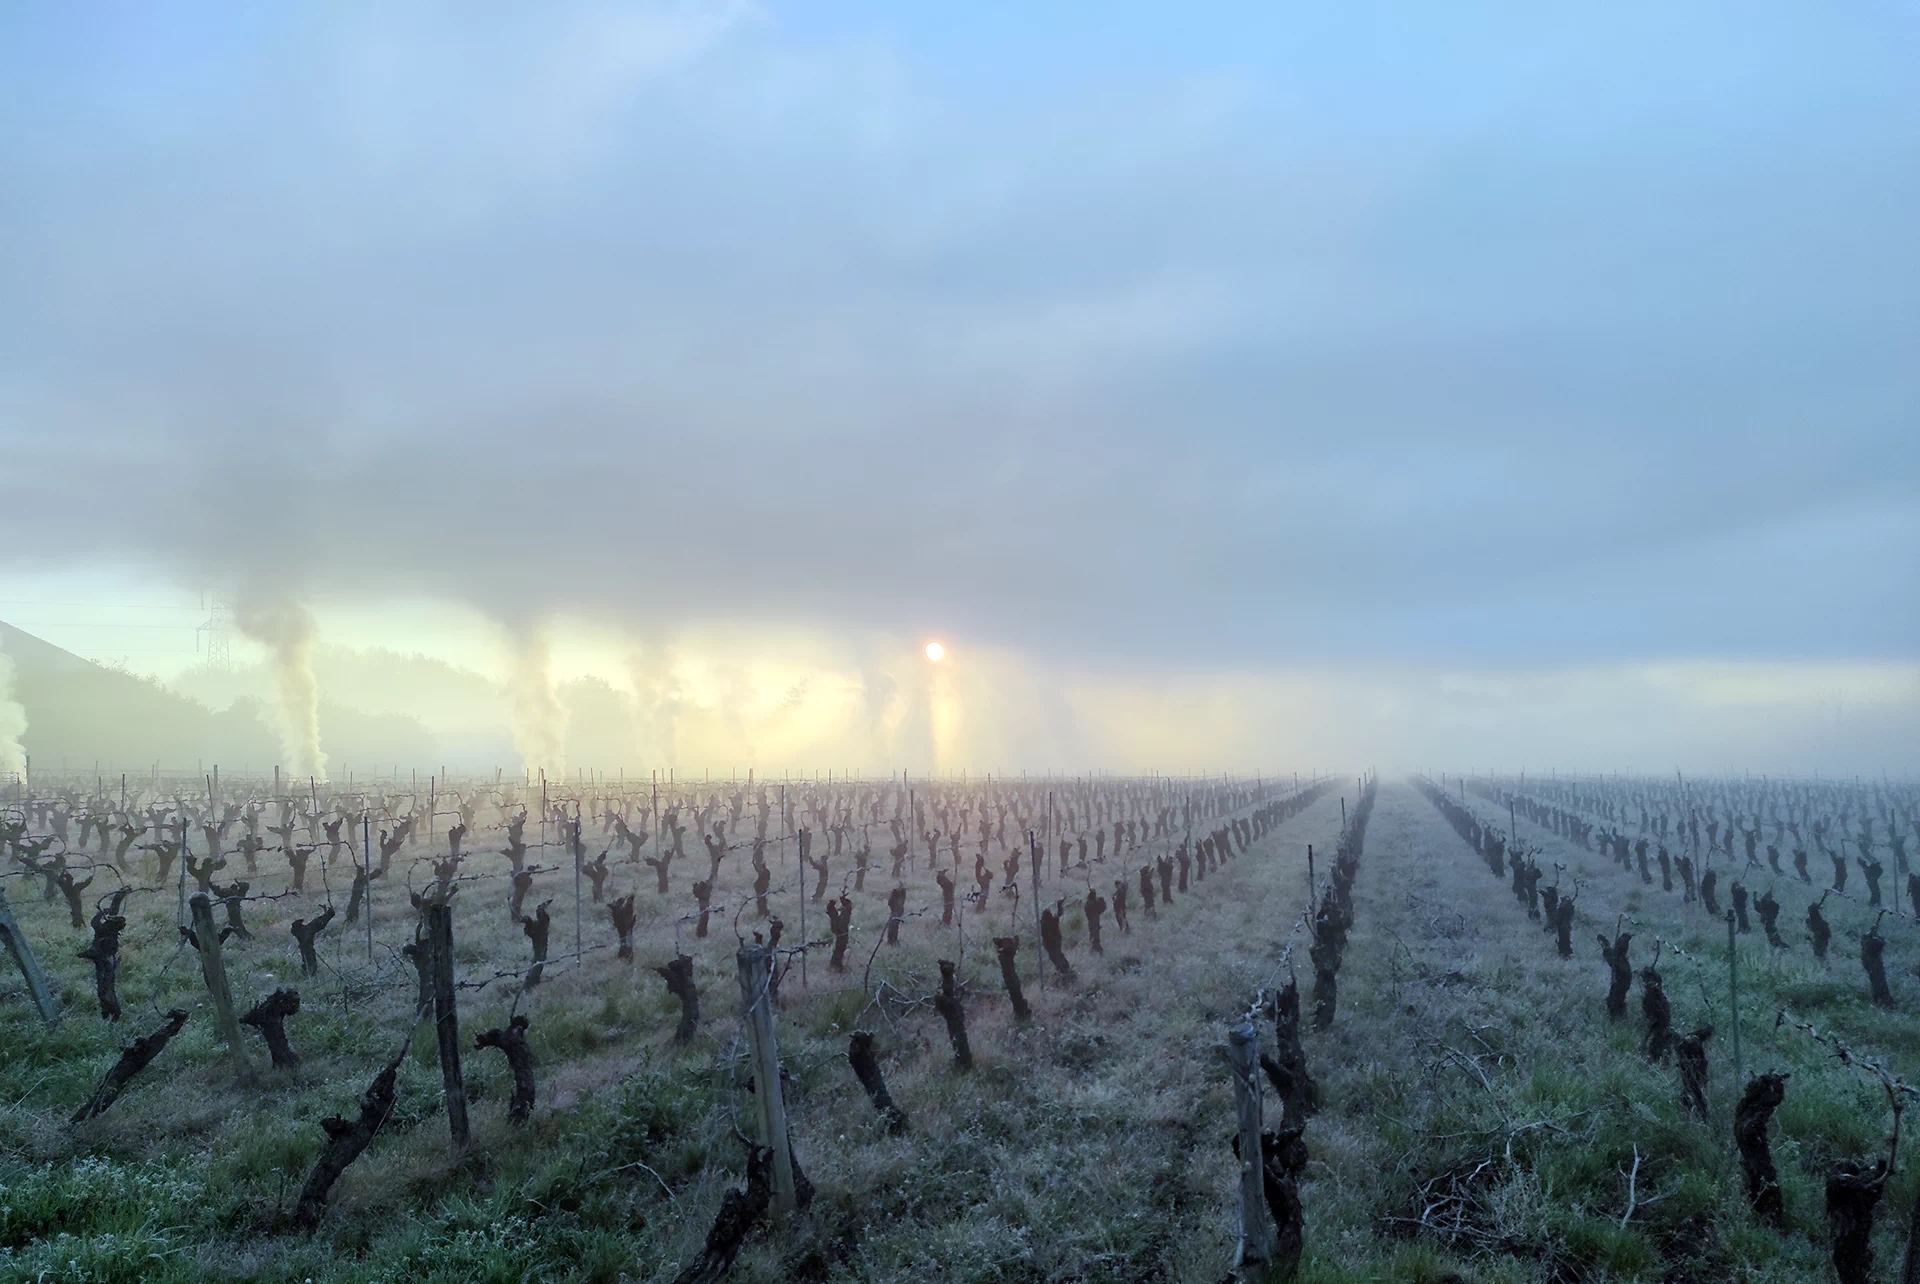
(1155, 339)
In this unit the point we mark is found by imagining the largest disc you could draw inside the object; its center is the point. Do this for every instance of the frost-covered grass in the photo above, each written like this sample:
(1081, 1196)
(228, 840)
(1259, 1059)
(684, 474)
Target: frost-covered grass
(1466, 1041)
(1087, 1146)
(1091, 1144)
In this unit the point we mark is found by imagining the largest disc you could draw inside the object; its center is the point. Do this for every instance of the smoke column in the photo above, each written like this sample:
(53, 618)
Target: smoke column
(13, 725)
(539, 720)
(286, 629)
(658, 698)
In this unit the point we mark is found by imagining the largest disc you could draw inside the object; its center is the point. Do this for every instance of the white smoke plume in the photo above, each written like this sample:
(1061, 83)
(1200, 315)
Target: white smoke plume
(658, 698)
(13, 725)
(286, 629)
(539, 719)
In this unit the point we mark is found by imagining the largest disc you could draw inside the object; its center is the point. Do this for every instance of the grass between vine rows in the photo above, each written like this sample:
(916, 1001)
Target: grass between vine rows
(1091, 1144)
(1472, 1077)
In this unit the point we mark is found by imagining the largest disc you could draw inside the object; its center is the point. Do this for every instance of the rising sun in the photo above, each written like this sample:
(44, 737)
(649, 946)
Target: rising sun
(935, 651)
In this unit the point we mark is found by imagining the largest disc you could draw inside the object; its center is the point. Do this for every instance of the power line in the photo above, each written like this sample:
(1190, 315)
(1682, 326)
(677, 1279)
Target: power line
(98, 655)
(216, 629)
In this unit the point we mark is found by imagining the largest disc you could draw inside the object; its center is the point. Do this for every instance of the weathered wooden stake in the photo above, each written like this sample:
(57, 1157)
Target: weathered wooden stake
(1313, 907)
(366, 862)
(207, 937)
(29, 965)
(446, 1021)
(754, 962)
(579, 865)
(1733, 996)
(1256, 1228)
(1033, 859)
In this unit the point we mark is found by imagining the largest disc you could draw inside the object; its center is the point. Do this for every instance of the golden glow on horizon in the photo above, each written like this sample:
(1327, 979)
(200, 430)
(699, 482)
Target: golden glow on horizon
(697, 694)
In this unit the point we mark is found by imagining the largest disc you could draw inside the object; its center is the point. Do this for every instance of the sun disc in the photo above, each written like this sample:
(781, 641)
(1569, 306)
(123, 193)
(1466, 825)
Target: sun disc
(935, 651)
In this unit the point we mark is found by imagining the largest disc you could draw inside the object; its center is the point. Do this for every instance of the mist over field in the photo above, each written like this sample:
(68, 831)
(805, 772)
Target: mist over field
(841, 643)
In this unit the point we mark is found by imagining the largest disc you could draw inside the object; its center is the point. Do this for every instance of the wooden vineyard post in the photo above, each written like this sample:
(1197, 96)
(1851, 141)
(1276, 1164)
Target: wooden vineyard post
(29, 965)
(1256, 1230)
(803, 915)
(446, 1021)
(1733, 998)
(183, 866)
(207, 937)
(1313, 910)
(366, 862)
(1033, 858)
(755, 965)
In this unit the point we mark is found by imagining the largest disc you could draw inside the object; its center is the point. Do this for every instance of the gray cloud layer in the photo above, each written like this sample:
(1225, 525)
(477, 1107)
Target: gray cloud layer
(678, 312)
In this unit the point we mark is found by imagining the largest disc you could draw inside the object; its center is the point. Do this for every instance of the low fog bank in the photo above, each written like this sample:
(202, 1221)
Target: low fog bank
(798, 708)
